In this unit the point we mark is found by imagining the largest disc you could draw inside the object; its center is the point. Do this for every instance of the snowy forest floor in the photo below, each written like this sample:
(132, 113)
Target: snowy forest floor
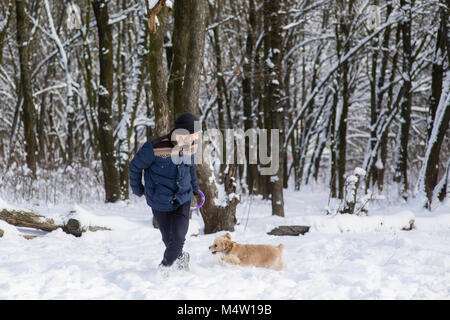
(341, 257)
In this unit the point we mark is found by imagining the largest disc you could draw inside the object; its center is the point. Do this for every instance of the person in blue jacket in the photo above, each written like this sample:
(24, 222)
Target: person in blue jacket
(170, 181)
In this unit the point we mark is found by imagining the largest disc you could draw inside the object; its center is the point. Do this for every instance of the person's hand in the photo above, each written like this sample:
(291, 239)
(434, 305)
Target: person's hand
(139, 192)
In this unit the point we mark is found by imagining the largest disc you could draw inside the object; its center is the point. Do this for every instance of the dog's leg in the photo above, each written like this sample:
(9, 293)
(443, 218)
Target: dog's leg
(231, 258)
(275, 265)
(279, 265)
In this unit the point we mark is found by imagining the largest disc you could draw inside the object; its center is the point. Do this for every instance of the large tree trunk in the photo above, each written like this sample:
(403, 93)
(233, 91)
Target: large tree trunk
(247, 93)
(180, 41)
(272, 51)
(439, 109)
(158, 76)
(401, 170)
(196, 47)
(216, 217)
(25, 87)
(343, 47)
(437, 70)
(429, 177)
(105, 92)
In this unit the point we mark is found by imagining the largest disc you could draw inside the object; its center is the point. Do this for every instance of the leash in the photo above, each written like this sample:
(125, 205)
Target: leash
(248, 210)
(201, 204)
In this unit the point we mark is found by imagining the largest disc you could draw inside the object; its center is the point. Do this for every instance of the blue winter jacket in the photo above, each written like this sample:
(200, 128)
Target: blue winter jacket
(167, 184)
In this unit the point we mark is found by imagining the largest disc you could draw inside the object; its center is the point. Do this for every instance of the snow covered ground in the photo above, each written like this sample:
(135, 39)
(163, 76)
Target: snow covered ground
(342, 257)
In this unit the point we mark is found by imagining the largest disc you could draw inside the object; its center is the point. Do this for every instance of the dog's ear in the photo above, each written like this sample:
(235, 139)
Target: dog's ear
(228, 246)
(228, 236)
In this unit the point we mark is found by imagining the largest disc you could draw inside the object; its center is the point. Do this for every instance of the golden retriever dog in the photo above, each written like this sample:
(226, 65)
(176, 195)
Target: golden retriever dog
(258, 255)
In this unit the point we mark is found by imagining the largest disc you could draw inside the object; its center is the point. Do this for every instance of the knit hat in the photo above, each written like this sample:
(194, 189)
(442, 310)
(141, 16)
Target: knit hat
(186, 121)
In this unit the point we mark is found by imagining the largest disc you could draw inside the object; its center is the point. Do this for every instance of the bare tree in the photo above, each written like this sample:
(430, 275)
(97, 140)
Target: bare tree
(273, 93)
(401, 174)
(439, 109)
(26, 94)
(105, 92)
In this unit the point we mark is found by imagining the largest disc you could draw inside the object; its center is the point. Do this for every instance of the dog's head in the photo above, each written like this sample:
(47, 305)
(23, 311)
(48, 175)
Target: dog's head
(222, 244)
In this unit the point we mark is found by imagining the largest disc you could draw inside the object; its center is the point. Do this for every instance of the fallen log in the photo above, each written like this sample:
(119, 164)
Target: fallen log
(289, 230)
(29, 219)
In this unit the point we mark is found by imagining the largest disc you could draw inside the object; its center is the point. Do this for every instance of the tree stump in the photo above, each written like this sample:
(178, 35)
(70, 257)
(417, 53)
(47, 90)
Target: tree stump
(73, 227)
(289, 230)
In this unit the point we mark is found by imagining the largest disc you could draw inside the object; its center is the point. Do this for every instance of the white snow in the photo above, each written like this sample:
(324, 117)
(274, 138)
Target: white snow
(9, 231)
(342, 257)
(359, 171)
(102, 91)
(352, 179)
(270, 63)
(274, 179)
(379, 164)
(152, 4)
(6, 205)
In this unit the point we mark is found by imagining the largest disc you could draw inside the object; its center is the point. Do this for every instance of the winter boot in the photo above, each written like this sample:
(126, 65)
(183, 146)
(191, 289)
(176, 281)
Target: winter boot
(163, 271)
(182, 262)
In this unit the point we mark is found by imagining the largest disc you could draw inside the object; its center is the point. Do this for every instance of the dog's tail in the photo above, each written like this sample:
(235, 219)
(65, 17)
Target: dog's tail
(280, 246)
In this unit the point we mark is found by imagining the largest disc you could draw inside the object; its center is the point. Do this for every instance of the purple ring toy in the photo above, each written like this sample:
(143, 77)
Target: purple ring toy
(203, 201)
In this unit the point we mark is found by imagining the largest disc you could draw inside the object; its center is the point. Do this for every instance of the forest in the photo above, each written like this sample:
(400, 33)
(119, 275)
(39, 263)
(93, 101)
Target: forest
(356, 88)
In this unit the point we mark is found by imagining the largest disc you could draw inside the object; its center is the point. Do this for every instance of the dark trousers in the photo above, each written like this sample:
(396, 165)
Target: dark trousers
(173, 226)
